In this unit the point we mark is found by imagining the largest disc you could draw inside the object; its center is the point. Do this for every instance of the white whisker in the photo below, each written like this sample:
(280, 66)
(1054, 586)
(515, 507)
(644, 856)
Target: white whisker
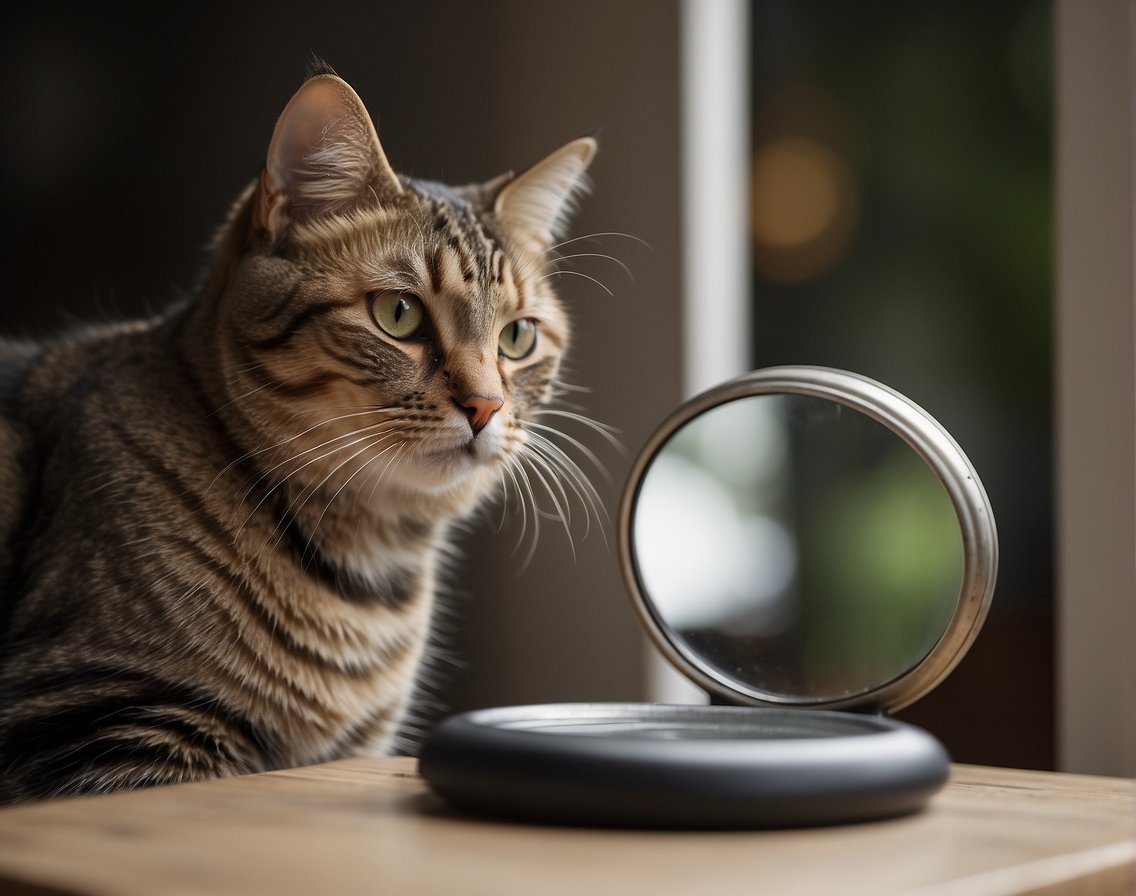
(400, 449)
(575, 443)
(307, 464)
(526, 489)
(594, 236)
(608, 432)
(610, 258)
(347, 481)
(565, 272)
(241, 397)
(251, 454)
(534, 467)
(540, 462)
(577, 479)
(296, 505)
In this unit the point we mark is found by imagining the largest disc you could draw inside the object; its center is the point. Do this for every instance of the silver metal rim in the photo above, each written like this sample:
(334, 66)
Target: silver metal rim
(938, 450)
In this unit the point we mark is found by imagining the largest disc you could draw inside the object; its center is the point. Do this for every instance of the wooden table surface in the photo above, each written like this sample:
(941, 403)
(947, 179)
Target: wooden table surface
(371, 826)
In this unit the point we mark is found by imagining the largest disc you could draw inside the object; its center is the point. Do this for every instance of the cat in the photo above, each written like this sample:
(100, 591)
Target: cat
(222, 527)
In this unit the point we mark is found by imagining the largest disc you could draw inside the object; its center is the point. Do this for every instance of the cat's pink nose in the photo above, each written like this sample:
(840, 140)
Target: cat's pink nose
(480, 409)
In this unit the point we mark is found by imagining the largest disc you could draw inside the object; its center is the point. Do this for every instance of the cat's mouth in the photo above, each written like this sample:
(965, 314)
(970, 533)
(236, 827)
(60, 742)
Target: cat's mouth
(463, 456)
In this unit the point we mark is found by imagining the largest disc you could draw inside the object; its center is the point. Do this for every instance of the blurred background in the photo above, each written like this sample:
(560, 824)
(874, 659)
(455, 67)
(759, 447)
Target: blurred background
(897, 219)
(902, 223)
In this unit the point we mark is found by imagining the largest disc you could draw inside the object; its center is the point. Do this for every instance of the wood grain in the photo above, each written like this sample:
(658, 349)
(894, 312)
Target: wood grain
(371, 826)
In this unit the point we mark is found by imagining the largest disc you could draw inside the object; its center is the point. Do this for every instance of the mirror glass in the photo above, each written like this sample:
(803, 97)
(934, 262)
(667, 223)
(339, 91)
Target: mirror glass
(793, 547)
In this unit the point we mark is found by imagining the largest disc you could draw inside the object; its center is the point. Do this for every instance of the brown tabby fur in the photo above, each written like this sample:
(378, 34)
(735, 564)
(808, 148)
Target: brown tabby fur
(220, 527)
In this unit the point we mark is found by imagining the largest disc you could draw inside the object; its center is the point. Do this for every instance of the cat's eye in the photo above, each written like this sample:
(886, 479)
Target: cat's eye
(399, 314)
(517, 339)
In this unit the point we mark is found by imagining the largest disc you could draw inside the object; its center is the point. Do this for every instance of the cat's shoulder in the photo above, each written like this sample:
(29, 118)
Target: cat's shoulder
(16, 358)
(56, 371)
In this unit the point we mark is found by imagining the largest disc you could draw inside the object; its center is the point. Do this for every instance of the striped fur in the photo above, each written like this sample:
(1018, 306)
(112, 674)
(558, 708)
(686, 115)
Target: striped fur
(220, 528)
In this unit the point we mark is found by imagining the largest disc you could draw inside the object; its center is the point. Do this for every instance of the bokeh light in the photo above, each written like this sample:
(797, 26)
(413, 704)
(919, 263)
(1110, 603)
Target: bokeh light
(804, 208)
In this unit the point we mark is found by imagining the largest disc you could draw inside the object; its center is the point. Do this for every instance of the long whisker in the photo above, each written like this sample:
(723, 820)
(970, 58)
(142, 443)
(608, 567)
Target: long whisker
(507, 496)
(293, 438)
(608, 432)
(536, 458)
(400, 449)
(572, 387)
(575, 443)
(540, 462)
(326, 442)
(593, 236)
(308, 492)
(566, 272)
(512, 492)
(347, 481)
(527, 489)
(308, 463)
(610, 258)
(577, 480)
(241, 397)
(535, 469)
(580, 485)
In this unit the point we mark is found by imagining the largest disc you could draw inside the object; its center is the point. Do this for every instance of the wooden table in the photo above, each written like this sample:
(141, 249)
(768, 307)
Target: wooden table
(371, 826)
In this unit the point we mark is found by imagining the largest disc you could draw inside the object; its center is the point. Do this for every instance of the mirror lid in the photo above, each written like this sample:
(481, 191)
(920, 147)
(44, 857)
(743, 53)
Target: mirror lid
(938, 450)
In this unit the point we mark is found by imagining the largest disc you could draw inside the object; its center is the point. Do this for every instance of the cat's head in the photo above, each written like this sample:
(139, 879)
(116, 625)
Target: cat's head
(390, 332)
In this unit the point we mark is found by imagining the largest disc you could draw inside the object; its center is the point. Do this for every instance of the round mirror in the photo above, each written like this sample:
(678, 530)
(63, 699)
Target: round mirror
(804, 536)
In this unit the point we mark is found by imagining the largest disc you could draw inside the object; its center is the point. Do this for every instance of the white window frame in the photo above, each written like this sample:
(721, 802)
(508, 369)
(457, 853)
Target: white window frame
(717, 278)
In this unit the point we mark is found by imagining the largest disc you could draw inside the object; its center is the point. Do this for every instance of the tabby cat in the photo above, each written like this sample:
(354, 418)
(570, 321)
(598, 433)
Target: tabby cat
(221, 527)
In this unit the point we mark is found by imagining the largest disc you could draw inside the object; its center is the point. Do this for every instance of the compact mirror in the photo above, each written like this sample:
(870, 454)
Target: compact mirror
(799, 542)
(808, 537)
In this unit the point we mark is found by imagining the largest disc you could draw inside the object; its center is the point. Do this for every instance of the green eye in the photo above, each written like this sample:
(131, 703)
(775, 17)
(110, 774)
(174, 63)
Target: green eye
(518, 339)
(398, 313)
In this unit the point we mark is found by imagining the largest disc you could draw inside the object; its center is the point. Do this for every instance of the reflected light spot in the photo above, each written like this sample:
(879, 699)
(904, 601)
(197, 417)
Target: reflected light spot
(704, 563)
(746, 443)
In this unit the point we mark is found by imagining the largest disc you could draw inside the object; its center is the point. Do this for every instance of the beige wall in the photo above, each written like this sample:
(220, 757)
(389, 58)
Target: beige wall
(564, 628)
(1096, 628)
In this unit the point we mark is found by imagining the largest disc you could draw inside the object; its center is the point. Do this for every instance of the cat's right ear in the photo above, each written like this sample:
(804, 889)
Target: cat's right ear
(324, 158)
(534, 205)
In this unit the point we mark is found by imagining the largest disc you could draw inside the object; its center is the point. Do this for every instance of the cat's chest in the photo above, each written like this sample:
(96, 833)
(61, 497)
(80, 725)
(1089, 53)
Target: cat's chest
(336, 677)
(324, 639)
(353, 610)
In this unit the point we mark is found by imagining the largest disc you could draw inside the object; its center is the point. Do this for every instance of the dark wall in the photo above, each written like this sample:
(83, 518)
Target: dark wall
(130, 128)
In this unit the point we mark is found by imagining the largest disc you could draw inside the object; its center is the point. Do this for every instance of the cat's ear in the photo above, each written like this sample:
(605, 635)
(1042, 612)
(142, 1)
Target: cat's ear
(534, 205)
(324, 157)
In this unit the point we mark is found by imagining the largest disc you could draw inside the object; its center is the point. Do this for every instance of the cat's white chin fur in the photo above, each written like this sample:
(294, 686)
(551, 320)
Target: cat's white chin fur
(453, 458)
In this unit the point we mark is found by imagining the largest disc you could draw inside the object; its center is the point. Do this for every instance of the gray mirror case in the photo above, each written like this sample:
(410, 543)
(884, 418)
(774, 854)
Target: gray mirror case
(768, 761)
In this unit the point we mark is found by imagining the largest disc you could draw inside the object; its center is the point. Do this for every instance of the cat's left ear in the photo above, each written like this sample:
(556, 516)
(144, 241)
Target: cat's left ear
(533, 207)
(324, 158)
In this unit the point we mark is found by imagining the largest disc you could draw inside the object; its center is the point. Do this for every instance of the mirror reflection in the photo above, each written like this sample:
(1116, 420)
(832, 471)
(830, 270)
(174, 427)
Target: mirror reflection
(793, 547)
